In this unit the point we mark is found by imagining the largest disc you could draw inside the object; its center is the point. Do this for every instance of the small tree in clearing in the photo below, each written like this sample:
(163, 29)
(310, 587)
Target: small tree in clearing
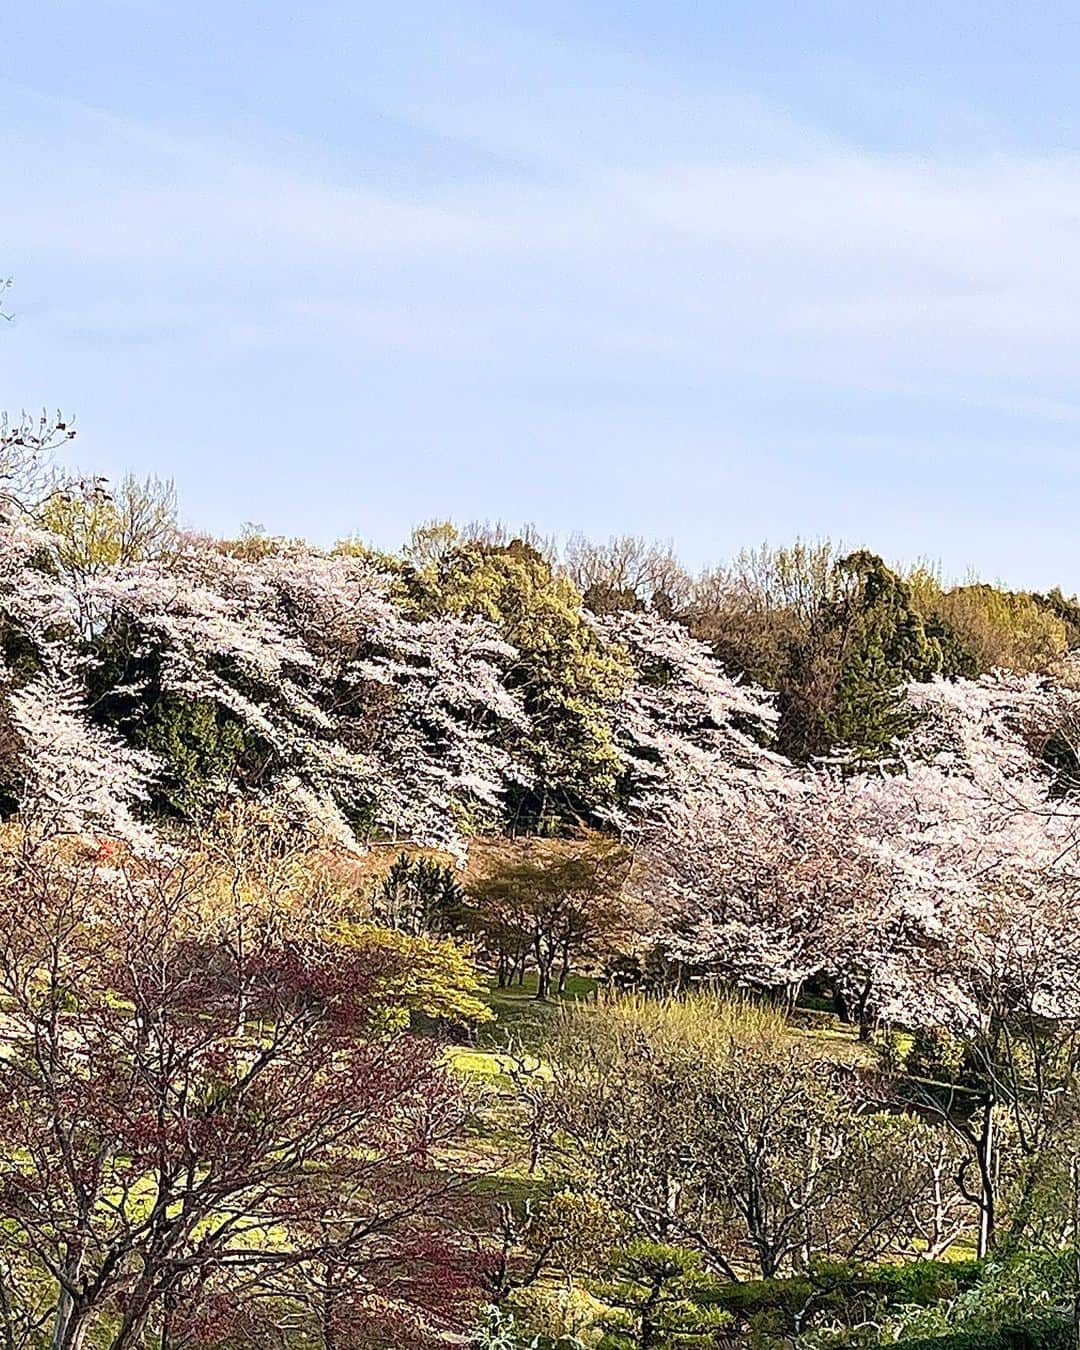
(652, 1293)
(554, 906)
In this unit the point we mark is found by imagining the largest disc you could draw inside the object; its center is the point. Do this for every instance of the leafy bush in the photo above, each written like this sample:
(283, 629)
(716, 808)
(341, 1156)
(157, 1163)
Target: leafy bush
(935, 1054)
(846, 1292)
(1034, 1336)
(1036, 1283)
(498, 1330)
(657, 1296)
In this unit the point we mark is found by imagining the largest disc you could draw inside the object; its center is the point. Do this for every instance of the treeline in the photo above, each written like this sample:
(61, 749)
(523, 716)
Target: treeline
(837, 636)
(836, 633)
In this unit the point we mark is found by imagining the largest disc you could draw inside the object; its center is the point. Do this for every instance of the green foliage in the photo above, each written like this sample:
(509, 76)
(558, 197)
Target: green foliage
(97, 526)
(935, 1054)
(1048, 1335)
(1010, 629)
(655, 1296)
(1025, 1295)
(891, 1054)
(205, 750)
(839, 636)
(958, 661)
(420, 895)
(498, 1329)
(844, 1291)
(568, 679)
(202, 747)
(422, 976)
(843, 687)
(1065, 609)
(884, 645)
(555, 901)
(758, 611)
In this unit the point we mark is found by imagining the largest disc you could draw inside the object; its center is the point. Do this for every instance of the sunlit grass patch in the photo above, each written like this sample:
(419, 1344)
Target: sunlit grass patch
(476, 1063)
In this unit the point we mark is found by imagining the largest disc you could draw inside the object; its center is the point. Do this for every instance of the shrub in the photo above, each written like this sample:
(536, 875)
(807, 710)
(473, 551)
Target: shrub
(1034, 1336)
(935, 1054)
(842, 1291)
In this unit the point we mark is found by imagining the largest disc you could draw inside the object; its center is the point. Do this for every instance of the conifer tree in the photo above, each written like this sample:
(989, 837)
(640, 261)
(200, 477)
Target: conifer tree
(844, 690)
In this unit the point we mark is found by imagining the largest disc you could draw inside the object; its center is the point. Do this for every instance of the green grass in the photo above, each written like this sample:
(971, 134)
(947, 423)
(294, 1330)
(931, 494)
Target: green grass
(475, 1063)
(519, 1013)
(516, 999)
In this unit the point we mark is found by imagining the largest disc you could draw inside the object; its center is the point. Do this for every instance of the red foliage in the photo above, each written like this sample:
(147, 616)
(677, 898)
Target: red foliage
(167, 1099)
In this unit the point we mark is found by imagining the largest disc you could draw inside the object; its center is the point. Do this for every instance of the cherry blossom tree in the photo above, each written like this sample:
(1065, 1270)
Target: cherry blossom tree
(683, 724)
(360, 711)
(359, 716)
(938, 891)
(768, 874)
(709, 806)
(65, 772)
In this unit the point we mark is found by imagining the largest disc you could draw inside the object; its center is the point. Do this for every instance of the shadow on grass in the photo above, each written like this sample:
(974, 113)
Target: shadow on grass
(520, 1014)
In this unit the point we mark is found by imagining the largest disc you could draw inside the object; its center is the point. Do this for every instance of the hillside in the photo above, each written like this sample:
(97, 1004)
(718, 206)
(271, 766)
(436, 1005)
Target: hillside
(484, 945)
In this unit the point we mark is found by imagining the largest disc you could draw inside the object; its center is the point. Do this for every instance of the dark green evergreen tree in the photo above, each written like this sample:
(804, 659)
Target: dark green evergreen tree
(420, 896)
(844, 690)
(884, 645)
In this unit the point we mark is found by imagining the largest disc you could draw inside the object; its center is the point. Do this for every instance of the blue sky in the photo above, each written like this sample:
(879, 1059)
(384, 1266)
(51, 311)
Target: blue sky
(708, 272)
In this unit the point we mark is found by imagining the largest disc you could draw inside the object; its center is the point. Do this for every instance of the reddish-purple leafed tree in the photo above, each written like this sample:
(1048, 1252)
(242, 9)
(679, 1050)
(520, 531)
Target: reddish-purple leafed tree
(201, 1130)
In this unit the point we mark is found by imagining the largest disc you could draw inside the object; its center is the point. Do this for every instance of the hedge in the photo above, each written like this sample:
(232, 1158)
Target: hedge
(833, 1283)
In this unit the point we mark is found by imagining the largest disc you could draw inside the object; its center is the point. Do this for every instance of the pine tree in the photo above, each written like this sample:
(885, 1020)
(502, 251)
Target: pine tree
(657, 1295)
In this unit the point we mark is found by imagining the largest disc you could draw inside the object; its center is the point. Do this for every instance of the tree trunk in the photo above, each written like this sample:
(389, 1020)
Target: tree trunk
(139, 1308)
(564, 971)
(650, 1333)
(131, 1332)
(71, 1320)
(769, 1262)
(543, 982)
(70, 1325)
(329, 1314)
(985, 1147)
(168, 1305)
(544, 955)
(866, 1022)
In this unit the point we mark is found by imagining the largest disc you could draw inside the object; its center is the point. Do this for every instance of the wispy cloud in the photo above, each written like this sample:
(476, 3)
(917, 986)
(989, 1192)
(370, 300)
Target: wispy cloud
(634, 250)
(861, 263)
